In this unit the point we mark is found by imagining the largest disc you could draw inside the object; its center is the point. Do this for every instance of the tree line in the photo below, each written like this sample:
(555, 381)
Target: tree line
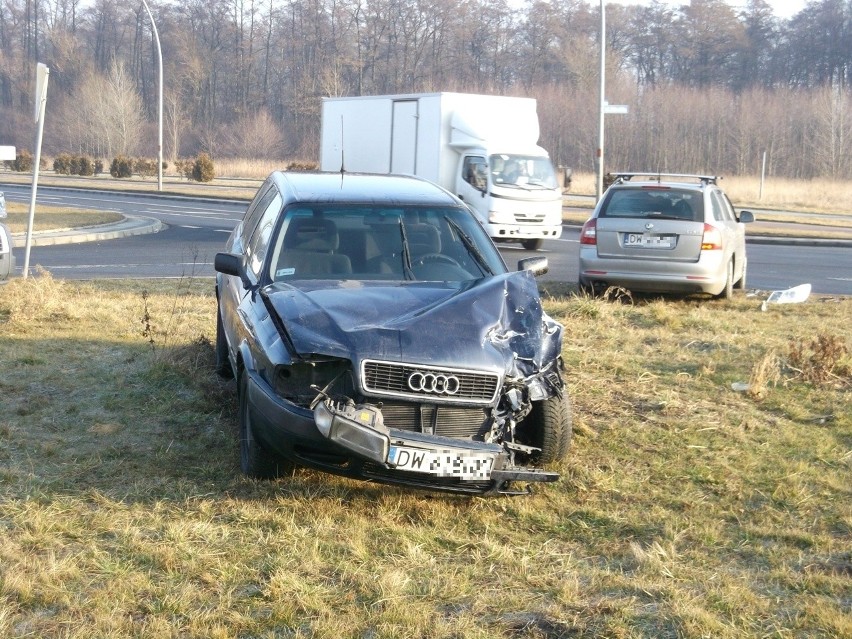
(710, 87)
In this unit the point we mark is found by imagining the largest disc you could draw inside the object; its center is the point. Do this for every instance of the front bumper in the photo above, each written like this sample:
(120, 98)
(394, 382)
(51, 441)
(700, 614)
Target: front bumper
(524, 231)
(353, 441)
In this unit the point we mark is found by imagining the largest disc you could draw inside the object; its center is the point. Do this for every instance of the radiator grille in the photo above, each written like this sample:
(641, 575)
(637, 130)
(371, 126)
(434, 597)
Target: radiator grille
(448, 421)
(392, 378)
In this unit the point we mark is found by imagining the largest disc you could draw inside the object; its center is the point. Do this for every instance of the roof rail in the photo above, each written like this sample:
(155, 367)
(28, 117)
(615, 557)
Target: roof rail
(625, 177)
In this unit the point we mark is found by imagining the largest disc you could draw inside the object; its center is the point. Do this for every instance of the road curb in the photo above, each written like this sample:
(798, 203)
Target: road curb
(130, 225)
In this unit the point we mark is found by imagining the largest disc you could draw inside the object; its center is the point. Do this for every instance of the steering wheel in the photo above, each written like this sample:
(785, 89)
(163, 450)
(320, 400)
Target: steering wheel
(432, 258)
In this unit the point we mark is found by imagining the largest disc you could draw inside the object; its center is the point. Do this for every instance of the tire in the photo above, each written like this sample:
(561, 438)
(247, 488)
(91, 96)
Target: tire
(741, 283)
(548, 427)
(223, 363)
(256, 461)
(728, 292)
(533, 245)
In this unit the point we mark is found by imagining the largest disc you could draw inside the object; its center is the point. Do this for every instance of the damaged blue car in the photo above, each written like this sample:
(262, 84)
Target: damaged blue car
(375, 332)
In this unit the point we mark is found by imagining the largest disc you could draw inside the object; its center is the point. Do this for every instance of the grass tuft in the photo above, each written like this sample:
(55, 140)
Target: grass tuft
(686, 509)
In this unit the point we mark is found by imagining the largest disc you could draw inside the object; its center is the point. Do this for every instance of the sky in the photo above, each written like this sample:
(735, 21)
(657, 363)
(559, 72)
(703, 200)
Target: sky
(781, 8)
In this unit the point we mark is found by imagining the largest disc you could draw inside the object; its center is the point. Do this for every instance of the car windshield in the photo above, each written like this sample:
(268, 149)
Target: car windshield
(654, 202)
(381, 242)
(522, 171)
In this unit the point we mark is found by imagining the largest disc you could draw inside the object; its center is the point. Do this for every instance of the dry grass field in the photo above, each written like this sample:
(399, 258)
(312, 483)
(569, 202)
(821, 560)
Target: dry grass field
(686, 509)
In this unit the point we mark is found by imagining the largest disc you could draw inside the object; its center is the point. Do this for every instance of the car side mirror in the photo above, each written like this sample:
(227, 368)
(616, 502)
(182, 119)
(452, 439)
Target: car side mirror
(231, 264)
(536, 265)
(746, 217)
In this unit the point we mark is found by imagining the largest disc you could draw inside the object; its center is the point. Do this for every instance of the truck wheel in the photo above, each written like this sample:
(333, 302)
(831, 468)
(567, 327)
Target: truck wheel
(548, 427)
(256, 461)
(533, 245)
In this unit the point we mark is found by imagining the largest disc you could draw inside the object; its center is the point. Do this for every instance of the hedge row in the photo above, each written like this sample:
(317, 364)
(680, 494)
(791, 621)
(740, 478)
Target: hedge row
(200, 168)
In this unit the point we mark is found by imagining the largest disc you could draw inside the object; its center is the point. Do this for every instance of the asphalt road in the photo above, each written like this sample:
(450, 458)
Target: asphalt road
(197, 229)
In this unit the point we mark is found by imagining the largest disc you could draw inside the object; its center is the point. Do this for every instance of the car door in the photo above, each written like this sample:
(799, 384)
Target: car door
(733, 233)
(242, 310)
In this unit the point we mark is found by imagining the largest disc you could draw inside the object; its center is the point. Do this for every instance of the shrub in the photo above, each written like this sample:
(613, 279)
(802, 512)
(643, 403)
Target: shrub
(62, 163)
(121, 167)
(302, 165)
(85, 165)
(99, 166)
(144, 167)
(202, 170)
(23, 162)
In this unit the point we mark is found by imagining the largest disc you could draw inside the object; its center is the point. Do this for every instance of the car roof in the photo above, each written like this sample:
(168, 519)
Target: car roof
(360, 188)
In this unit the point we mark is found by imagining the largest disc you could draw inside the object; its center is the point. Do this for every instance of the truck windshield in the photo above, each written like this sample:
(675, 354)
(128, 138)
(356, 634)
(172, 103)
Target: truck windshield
(522, 171)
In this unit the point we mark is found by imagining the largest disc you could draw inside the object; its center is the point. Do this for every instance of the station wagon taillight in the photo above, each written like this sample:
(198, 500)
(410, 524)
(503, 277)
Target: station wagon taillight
(589, 234)
(712, 240)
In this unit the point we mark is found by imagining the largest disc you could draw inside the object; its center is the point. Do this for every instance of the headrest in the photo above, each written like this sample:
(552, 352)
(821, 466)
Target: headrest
(312, 234)
(423, 238)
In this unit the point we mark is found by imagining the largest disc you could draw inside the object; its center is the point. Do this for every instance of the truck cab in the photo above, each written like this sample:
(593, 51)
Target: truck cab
(515, 195)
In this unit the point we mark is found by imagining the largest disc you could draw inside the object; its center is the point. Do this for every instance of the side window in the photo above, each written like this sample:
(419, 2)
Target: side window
(729, 208)
(259, 243)
(474, 172)
(255, 210)
(718, 209)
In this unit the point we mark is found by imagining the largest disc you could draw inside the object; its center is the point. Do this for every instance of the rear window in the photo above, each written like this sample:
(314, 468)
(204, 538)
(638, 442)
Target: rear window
(661, 203)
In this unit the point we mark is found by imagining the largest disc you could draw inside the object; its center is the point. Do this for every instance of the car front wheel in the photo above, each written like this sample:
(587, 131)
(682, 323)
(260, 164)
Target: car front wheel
(256, 461)
(548, 427)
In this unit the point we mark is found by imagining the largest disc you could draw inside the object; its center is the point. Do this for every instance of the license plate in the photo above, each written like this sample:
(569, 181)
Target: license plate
(648, 241)
(461, 464)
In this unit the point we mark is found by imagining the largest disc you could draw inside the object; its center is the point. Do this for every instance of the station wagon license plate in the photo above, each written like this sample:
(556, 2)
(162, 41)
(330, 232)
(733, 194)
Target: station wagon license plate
(647, 240)
(461, 464)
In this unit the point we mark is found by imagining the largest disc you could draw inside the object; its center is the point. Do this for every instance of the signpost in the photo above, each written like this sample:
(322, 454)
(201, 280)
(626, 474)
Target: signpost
(42, 76)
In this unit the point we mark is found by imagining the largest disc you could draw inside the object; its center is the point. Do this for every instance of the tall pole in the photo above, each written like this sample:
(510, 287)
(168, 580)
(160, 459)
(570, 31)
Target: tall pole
(42, 77)
(600, 152)
(160, 102)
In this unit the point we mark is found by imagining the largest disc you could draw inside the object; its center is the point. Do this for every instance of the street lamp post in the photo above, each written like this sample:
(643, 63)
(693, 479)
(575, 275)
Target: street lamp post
(605, 107)
(602, 104)
(160, 102)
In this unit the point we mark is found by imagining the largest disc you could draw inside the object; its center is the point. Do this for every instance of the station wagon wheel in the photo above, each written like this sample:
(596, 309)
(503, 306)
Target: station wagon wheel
(741, 283)
(548, 426)
(728, 292)
(223, 364)
(256, 461)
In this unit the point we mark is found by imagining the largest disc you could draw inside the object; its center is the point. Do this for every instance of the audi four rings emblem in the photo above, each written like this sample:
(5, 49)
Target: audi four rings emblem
(437, 383)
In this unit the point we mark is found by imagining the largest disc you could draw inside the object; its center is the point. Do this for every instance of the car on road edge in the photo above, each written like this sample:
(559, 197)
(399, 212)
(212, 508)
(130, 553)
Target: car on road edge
(375, 332)
(667, 233)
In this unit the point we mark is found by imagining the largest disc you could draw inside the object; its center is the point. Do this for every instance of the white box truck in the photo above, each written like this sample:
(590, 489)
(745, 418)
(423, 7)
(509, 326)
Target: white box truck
(482, 148)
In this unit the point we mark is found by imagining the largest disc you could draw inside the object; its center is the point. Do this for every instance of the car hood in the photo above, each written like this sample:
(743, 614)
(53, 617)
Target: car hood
(495, 323)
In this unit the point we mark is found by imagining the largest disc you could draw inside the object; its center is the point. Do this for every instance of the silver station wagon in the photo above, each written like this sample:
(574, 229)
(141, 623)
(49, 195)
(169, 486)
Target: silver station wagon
(665, 233)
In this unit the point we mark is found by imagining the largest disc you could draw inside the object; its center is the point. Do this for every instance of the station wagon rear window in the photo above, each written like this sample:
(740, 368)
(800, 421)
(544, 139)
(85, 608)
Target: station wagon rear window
(654, 202)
